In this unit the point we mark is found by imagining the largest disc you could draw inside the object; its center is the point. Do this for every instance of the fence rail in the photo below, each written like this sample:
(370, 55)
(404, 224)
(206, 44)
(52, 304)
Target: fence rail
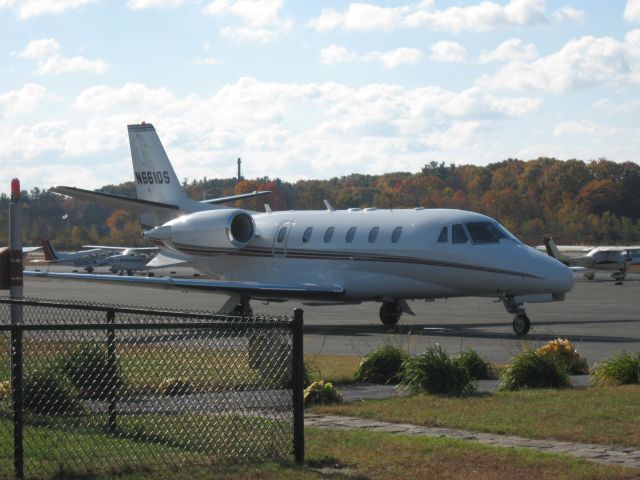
(101, 389)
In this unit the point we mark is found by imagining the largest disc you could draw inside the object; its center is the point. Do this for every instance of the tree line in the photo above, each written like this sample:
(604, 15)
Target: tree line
(596, 202)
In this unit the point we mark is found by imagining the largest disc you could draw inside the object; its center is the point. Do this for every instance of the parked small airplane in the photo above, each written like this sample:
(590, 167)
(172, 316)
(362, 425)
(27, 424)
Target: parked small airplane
(328, 256)
(614, 259)
(127, 259)
(88, 259)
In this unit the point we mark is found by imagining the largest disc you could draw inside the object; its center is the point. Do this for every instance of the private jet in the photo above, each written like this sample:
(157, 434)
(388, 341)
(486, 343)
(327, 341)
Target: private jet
(326, 256)
(127, 259)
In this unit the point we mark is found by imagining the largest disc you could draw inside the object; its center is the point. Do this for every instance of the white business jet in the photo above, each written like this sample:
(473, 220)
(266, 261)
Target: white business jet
(328, 256)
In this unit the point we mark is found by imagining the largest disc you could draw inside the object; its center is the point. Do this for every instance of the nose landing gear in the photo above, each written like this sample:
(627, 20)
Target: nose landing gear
(390, 312)
(521, 323)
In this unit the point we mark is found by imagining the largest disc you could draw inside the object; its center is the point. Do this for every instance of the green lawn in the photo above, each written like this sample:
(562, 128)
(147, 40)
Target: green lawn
(330, 454)
(607, 415)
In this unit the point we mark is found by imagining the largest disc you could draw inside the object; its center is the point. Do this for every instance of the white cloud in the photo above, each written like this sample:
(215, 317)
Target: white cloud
(580, 62)
(583, 127)
(445, 51)
(34, 8)
(510, 50)
(260, 19)
(286, 129)
(207, 61)
(46, 52)
(632, 11)
(395, 58)
(336, 54)
(143, 4)
(25, 100)
(483, 16)
(609, 106)
(569, 13)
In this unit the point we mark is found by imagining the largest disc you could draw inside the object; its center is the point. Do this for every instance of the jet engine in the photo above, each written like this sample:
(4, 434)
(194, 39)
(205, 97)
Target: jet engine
(210, 231)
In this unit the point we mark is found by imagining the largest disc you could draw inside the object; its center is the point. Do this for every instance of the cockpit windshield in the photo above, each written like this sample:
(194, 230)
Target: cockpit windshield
(486, 232)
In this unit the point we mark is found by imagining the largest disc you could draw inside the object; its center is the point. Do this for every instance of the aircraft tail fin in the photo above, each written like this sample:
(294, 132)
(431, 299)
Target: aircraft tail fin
(552, 249)
(50, 253)
(155, 179)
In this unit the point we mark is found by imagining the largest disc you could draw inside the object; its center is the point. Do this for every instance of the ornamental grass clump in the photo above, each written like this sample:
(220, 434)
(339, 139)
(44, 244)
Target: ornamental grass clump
(321, 393)
(89, 371)
(621, 369)
(565, 352)
(478, 367)
(436, 372)
(381, 366)
(531, 369)
(48, 392)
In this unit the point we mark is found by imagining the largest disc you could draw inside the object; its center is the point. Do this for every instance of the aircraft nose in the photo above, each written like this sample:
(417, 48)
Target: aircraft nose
(560, 277)
(159, 233)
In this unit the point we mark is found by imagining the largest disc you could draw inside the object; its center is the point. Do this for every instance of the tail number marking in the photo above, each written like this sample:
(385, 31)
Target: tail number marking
(149, 178)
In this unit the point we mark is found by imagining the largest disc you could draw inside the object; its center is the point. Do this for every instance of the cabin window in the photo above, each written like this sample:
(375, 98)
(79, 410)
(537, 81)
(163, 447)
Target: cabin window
(281, 234)
(444, 235)
(328, 234)
(351, 233)
(373, 234)
(306, 236)
(484, 232)
(395, 236)
(458, 235)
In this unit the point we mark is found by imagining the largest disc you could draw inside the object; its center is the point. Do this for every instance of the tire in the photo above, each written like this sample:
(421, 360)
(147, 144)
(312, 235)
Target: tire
(390, 313)
(521, 324)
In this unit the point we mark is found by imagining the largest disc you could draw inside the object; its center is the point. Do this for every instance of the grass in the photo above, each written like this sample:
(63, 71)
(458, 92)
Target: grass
(333, 368)
(330, 454)
(606, 415)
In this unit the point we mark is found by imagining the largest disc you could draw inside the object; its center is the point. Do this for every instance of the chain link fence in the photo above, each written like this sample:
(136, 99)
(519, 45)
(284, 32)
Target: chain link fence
(94, 389)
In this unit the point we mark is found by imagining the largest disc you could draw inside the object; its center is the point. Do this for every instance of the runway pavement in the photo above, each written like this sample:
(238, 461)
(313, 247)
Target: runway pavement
(600, 317)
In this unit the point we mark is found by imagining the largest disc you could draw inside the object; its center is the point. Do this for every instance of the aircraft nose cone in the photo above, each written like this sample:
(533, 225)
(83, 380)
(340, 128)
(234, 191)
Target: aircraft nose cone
(159, 233)
(560, 277)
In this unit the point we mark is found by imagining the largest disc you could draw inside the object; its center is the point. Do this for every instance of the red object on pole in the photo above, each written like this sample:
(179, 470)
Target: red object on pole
(15, 189)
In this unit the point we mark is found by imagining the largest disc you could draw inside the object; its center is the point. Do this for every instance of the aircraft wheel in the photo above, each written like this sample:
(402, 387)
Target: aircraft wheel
(129, 272)
(390, 313)
(589, 276)
(521, 323)
(89, 269)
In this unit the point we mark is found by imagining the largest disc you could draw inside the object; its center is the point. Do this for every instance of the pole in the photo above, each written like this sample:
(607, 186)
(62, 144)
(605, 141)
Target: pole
(16, 293)
(298, 386)
(112, 373)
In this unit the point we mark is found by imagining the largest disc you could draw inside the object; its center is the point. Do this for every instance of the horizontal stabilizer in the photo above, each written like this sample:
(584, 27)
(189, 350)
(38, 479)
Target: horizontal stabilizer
(117, 201)
(254, 289)
(233, 198)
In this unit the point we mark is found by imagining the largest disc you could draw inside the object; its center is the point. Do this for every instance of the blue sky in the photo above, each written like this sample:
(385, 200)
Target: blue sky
(312, 89)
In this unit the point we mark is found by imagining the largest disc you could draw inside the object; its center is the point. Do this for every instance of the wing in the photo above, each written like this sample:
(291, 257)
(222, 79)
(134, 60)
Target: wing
(122, 249)
(233, 198)
(262, 290)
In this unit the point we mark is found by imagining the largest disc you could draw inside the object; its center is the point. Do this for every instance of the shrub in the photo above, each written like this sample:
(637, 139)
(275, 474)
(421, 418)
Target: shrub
(478, 368)
(321, 393)
(621, 369)
(88, 369)
(436, 372)
(49, 392)
(382, 365)
(5, 389)
(175, 386)
(531, 369)
(564, 352)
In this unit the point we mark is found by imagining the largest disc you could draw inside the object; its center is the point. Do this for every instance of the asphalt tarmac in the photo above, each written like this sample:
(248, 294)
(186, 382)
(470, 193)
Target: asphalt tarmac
(601, 318)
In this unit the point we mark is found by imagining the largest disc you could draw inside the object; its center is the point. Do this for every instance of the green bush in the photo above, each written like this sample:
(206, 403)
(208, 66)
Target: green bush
(49, 392)
(176, 387)
(531, 369)
(621, 369)
(382, 365)
(436, 372)
(321, 393)
(478, 368)
(88, 369)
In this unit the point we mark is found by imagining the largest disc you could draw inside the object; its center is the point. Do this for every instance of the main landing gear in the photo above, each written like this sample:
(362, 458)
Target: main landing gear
(521, 323)
(390, 312)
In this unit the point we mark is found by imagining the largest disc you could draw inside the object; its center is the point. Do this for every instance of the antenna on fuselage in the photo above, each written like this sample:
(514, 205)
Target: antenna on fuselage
(328, 205)
(267, 208)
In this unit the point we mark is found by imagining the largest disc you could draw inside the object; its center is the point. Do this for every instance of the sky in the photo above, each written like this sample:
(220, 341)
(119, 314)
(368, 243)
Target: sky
(312, 89)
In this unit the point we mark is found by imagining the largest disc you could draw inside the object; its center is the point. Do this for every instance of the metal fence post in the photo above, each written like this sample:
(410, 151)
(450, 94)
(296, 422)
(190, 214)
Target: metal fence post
(297, 359)
(17, 381)
(112, 383)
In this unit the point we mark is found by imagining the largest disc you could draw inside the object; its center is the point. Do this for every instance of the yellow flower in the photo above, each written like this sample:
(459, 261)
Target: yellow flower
(5, 388)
